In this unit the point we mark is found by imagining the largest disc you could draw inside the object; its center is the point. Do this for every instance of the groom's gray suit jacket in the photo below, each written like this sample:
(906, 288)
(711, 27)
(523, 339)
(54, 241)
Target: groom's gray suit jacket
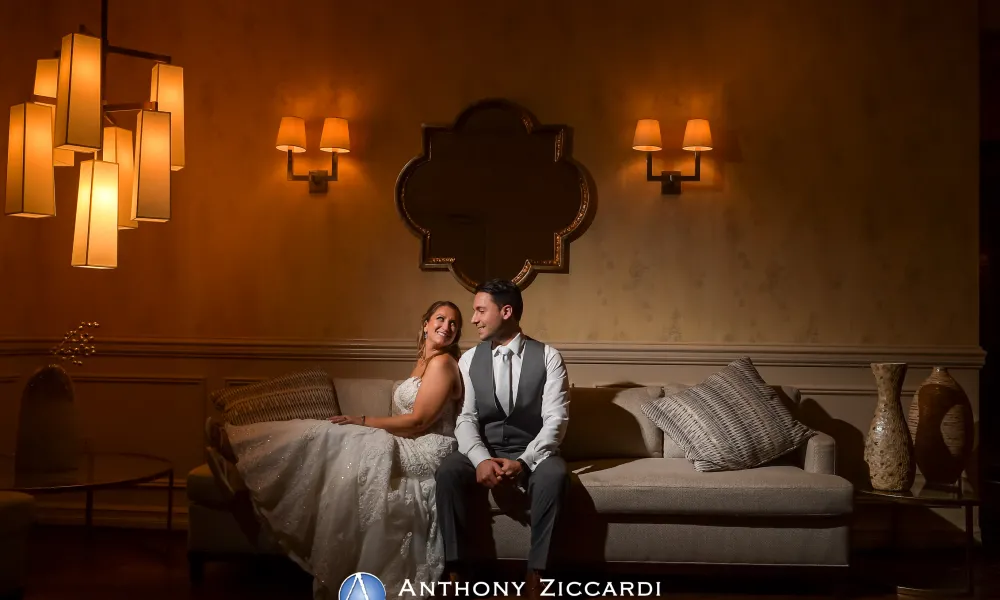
(509, 434)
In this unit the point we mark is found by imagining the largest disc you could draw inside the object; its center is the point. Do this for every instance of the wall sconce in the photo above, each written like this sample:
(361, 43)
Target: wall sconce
(697, 139)
(334, 139)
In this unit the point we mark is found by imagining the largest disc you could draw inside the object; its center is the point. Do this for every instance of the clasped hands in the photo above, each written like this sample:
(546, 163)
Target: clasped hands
(494, 471)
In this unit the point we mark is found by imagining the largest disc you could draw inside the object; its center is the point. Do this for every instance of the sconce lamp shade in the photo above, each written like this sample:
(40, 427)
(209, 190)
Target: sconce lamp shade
(31, 184)
(292, 134)
(78, 101)
(151, 182)
(95, 239)
(46, 86)
(118, 150)
(697, 135)
(168, 92)
(336, 137)
(647, 136)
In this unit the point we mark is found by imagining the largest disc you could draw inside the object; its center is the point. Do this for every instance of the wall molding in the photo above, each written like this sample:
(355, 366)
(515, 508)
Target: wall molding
(813, 390)
(770, 355)
(149, 379)
(8, 377)
(229, 382)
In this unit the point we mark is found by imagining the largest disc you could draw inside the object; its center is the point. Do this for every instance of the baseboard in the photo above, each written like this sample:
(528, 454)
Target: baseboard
(110, 515)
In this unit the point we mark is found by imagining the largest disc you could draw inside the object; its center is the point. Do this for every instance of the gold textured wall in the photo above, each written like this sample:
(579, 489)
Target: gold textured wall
(839, 207)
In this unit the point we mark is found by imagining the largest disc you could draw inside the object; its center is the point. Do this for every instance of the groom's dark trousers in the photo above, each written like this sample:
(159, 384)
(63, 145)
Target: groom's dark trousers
(460, 499)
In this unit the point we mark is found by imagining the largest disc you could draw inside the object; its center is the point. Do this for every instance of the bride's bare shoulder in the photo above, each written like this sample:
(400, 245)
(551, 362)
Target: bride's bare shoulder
(443, 365)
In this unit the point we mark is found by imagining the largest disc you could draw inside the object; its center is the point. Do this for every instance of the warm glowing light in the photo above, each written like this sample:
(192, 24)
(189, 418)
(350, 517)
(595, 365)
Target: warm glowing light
(78, 98)
(647, 136)
(151, 182)
(47, 77)
(118, 149)
(95, 239)
(336, 137)
(168, 92)
(46, 85)
(291, 135)
(697, 135)
(30, 178)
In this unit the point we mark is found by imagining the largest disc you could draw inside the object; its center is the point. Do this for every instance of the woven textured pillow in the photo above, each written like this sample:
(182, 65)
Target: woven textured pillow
(733, 420)
(300, 395)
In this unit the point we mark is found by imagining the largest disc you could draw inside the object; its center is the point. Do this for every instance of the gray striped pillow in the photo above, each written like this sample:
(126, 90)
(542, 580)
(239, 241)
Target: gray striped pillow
(733, 420)
(301, 395)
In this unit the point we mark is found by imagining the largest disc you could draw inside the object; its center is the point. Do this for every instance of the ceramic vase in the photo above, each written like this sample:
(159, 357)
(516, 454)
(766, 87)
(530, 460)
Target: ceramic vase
(941, 427)
(888, 448)
(47, 433)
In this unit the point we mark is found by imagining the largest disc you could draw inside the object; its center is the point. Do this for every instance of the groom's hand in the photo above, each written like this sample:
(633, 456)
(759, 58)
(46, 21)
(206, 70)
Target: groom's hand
(511, 468)
(488, 473)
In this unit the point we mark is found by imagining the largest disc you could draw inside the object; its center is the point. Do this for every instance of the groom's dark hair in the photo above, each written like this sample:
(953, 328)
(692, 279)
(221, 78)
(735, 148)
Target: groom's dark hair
(504, 292)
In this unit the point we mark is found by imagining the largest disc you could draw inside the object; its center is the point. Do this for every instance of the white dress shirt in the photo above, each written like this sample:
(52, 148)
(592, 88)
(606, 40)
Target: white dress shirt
(555, 398)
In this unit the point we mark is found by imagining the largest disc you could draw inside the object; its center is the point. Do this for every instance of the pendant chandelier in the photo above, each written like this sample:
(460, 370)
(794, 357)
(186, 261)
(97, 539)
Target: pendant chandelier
(125, 175)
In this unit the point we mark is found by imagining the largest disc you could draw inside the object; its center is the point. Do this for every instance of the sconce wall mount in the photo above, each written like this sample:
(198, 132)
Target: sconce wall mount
(697, 139)
(335, 140)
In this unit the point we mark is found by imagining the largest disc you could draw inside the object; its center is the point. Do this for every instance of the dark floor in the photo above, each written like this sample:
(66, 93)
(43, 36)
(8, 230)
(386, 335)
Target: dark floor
(149, 565)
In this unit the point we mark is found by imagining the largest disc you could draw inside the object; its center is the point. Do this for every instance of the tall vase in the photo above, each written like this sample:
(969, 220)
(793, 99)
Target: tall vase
(889, 449)
(47, 435)
(941, 427)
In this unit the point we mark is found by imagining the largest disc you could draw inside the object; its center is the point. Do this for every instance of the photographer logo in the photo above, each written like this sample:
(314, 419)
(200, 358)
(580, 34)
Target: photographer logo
(362, 586)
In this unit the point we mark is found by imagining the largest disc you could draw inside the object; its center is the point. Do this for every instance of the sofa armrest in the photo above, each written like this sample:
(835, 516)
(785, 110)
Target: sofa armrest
(820, 455)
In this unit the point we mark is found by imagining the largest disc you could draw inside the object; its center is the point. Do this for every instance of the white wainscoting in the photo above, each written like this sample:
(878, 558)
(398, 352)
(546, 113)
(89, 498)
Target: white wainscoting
(150, 395)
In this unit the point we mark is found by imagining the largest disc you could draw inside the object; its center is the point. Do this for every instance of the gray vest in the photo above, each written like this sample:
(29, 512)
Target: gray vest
(499, 431)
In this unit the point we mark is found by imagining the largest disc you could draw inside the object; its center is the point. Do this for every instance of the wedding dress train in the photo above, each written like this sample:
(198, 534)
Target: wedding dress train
(345, 498)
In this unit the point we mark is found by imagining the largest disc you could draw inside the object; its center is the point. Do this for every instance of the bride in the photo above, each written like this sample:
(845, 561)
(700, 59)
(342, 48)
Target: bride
(357, 493)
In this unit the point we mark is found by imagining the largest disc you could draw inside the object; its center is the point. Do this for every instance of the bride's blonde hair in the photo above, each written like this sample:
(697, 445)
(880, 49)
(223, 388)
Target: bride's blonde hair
(452, 348)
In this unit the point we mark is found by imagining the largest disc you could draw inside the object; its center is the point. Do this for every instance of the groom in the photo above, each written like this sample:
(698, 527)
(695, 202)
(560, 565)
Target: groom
(509, 430)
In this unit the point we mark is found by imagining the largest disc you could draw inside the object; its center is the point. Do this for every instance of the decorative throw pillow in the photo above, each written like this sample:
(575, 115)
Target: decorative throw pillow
(733, 420)
(300, 395)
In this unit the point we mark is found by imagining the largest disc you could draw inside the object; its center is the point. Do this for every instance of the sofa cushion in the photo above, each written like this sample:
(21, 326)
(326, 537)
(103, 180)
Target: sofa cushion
(17, 512)
(670, 447)
(608, 423)
(203, 489)
(672, 486)
(307, 394)
(732, 420)
(364, 396)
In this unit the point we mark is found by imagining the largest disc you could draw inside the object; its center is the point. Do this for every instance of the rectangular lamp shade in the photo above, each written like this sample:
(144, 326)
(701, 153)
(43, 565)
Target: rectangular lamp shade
(118, 150)
(46, 84)
(47, 77)
(78, 100)
(31, 184)
(168, 93)
(95, 239)
(151, 183)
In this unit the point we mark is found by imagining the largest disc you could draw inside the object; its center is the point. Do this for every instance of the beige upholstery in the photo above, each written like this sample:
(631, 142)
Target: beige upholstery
(202, 488)
(626, 501)
(607, 423)
(656, 486)
(17, 514)
(364, 396)
(730, 540)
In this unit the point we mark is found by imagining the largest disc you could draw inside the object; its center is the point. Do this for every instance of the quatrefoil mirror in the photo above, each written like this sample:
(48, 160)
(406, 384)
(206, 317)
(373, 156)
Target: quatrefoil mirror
(496, 194)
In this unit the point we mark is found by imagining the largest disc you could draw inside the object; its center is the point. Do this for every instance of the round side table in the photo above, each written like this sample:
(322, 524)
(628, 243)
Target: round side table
(962, 496)
(94, 471)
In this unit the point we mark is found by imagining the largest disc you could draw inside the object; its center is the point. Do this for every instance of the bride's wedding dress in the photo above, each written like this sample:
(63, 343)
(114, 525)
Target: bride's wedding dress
(344, 498)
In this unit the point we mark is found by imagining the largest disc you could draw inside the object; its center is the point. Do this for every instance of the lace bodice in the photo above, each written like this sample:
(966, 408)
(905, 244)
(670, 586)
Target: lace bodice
(406, 395)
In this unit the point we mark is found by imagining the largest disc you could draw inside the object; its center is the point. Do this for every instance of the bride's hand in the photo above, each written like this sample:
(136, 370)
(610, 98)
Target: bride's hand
(347, 420)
